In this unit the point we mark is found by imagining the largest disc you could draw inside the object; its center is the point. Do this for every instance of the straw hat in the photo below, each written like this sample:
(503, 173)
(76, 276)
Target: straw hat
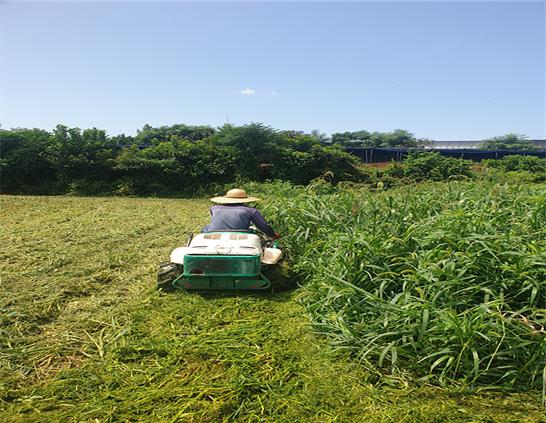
(234, 196)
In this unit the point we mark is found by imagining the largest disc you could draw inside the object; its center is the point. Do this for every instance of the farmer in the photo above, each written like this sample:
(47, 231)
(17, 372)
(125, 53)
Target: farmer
(232, 214)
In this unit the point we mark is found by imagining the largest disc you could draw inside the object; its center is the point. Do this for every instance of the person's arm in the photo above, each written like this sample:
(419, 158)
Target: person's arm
(206, 227)
(262, 225)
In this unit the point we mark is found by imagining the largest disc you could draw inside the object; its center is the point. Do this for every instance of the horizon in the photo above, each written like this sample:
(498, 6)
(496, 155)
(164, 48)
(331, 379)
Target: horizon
(463, 71)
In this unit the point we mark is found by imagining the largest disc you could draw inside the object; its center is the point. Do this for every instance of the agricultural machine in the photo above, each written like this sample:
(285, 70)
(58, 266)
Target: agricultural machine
(219, 261)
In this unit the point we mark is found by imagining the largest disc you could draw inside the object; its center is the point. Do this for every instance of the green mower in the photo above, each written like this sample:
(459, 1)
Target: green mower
(221, 261)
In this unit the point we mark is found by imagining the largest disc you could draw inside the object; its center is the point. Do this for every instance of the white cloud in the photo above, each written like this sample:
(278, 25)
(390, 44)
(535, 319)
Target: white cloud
(251, 91)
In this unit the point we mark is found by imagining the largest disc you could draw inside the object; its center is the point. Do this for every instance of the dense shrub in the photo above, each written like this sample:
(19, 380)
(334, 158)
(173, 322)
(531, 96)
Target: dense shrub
(24, 166)
(81, 156)
(430, 166)
(399, 138)
(518, 163)
(163, 161)
(149, 135)
(182, 160)
(171, 167)
(509, 142)
(265, 154)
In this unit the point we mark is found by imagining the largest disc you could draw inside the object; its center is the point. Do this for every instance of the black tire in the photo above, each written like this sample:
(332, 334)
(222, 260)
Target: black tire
(279, 276)
(166, 274)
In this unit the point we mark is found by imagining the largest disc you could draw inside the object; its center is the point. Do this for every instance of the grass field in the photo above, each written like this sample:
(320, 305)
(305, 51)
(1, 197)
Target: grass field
(85, 337)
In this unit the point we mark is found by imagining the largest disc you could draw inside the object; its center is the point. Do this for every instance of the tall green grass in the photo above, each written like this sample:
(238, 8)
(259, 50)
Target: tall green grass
(445, 283)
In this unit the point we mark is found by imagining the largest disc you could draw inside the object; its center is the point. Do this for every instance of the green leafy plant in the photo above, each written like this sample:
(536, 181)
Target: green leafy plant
(509, 142)
(517, 163)
(442, 282)
(421, 166)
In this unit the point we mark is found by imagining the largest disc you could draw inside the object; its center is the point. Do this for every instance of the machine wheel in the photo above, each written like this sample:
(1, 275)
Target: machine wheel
(279, 276)
(166, 274)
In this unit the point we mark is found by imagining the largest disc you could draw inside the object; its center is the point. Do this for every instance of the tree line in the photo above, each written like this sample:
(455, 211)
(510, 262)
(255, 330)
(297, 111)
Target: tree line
(177, 159)
(182, 159)
(400, 138)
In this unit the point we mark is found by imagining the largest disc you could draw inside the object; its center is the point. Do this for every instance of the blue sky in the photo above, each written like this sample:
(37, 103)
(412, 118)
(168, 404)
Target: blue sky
(443, 70)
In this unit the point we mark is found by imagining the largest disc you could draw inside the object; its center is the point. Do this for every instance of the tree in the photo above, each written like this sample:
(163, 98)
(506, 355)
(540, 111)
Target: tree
(399, 138)
(153, 136)
(255, 144)
(123, 140)
(350, 138)
(24, 167)
(516, 142)
(178, 166)
(303, 158)
(81, 155)
(90, 162)
(320, 137)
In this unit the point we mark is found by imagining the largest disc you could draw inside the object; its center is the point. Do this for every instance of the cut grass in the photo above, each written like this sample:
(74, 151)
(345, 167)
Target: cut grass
(86, 337)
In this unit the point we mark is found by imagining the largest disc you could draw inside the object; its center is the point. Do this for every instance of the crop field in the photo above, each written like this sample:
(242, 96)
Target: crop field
(420, 304)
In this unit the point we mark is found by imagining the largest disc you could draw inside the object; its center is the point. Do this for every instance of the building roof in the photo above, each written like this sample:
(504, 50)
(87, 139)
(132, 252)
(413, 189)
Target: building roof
(474, 144)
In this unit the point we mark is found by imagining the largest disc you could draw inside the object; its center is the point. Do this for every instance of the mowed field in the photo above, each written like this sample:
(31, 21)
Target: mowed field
(85, 336)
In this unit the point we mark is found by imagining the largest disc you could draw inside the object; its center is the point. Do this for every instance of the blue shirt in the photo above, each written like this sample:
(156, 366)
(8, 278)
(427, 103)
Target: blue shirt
(236, 217)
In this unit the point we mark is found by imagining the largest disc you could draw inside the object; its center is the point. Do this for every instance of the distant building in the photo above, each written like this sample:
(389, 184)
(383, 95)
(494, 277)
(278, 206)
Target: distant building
(473, 144)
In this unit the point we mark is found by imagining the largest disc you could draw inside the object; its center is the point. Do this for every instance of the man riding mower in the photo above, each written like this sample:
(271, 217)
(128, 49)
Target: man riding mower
(227, 254)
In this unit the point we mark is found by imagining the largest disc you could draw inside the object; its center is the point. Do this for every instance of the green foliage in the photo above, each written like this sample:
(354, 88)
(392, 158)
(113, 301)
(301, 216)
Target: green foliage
(303, 159)
(397, 138)
(509, 142)
(24, 167)
(123, 140)
(86, 337)
(174, 167)
(184, 160)
(430, 166)
(149, 135)
(177, 160)
(442, 282)
(82, 155)
(256, 147)
(518, 164)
